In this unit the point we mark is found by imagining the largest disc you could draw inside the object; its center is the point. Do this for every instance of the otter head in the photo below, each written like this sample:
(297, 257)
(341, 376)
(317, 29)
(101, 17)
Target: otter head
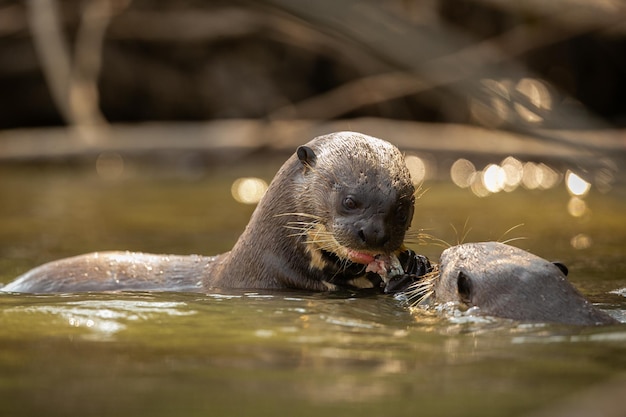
(493, 276)
(504, 281)
(356, 199)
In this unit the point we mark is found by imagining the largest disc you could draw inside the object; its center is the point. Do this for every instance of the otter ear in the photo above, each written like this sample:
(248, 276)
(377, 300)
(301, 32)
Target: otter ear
(306, 156)
(464, 288)
(562, 267)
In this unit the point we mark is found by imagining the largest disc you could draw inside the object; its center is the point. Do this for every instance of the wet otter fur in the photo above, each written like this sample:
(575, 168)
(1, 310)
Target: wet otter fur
(504, 281)
(334, 216)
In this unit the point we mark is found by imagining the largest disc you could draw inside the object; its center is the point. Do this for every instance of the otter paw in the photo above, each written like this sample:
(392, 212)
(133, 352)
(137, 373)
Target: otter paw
(415, 266)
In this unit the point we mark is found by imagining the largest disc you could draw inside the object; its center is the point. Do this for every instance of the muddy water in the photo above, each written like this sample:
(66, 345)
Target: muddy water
(251, 353)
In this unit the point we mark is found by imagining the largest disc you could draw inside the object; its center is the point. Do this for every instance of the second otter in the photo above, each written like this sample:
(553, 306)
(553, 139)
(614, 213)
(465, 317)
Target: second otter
(334, 216)
(504, 281)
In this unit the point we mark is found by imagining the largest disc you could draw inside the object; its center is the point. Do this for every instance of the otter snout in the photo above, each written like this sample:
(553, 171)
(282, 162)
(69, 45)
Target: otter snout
(374, 234)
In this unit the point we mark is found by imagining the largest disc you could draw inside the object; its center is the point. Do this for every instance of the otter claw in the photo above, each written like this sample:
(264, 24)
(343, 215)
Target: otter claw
(414, 267)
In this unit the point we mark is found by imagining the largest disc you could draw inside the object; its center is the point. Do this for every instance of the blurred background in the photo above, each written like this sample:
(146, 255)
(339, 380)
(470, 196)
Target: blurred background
(489, 96)
(549, 79)
(491, 63)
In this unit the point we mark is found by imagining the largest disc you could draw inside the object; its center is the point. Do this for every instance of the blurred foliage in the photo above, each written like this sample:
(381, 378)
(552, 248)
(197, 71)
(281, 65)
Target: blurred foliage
(93, 61)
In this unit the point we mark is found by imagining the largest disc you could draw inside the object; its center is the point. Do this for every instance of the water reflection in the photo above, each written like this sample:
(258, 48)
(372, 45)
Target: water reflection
(102, 319)
(247, 354)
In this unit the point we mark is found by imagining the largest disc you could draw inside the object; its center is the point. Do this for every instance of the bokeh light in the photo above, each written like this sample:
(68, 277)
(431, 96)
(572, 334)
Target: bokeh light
(581, 241)
(577, 207)
(417, 168)
(248, 190)
(504, 177)
(478, 186)
(537, 94)
(461, 172)
(530, 176)
(539, 176)
(576, 185)
(494, 178)
(513, 170)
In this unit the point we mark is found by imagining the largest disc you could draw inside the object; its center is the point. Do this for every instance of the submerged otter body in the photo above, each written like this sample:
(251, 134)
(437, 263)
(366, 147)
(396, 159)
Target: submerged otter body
(504, 281)
(334, 216)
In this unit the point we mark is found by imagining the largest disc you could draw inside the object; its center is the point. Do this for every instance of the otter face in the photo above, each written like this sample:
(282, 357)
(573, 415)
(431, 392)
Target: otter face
(369, 220)
(359, 194)
(505, 281)
(493, 276)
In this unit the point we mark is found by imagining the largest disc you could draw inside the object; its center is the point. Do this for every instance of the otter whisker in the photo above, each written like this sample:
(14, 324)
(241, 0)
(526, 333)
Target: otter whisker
(422, 289)
(311, 216)
(466, 232)
(303, 228)
(325, 245)
(513, 239)
(426, 238)
(422, 297)
(304, 222)
(329, 246)
(342, 267)
(420, 191)
(509, 231)
(302, 231)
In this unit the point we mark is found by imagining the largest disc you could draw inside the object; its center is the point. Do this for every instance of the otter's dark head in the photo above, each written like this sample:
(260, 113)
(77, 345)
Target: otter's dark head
(357, 197)
(493, 275)
(505, 281)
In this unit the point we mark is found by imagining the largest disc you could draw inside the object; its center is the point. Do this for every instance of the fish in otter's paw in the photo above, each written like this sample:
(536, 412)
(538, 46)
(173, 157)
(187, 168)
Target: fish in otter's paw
(334, 216)
(504, 281)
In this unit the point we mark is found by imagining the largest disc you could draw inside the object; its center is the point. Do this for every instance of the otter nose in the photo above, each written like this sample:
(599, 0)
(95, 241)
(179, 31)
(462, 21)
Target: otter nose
(374, 234)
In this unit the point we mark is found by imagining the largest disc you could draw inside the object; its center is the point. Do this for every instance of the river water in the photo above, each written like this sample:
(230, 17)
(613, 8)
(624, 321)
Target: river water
(291, 353)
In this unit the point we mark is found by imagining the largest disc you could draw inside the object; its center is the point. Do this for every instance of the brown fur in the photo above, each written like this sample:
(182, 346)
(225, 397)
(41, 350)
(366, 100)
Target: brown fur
(300, 235)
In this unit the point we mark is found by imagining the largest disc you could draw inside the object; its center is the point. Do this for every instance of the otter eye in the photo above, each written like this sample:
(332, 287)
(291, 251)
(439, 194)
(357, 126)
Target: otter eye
(349, 203)
(404, 214)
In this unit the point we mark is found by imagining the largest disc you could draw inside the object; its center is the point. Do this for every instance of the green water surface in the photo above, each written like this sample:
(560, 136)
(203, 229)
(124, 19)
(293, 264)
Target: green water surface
(293, 353)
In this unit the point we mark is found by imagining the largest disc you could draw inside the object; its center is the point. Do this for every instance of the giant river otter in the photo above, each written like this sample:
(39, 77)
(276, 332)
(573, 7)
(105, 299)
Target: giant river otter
(335, 216)
(504, 281)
